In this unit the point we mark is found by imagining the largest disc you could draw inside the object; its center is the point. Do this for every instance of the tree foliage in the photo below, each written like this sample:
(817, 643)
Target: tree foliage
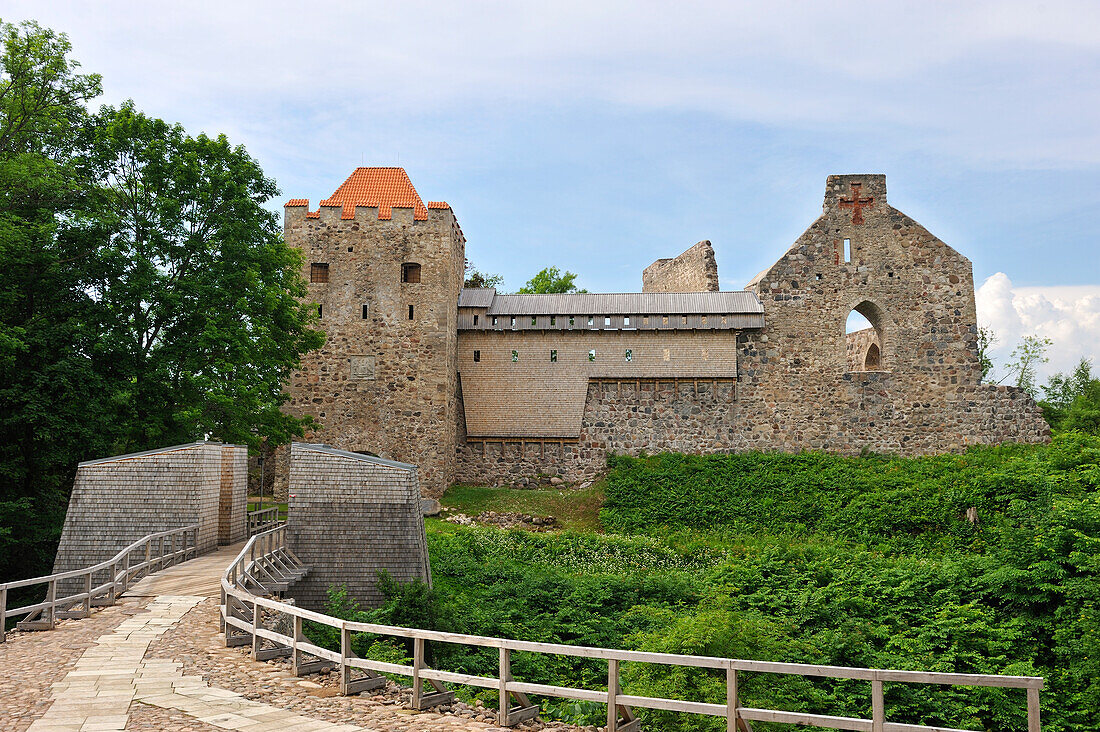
(551, 280)
(477, 278)
(147, 296)
(1072, 401)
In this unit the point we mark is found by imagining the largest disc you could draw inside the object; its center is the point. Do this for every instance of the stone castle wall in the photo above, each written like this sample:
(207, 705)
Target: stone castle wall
(695, 270)
(857, 345)
(385, 383)
(350, 516)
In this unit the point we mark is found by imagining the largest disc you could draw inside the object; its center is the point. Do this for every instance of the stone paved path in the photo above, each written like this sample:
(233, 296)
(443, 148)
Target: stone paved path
(159, 663)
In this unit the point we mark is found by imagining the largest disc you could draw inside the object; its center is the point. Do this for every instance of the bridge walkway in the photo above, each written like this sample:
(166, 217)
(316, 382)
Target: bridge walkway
(198, 577)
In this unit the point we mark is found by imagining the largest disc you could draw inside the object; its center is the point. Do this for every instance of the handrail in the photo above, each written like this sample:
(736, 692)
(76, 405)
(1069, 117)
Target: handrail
(265, 548)
(262, 520)
(172, 546)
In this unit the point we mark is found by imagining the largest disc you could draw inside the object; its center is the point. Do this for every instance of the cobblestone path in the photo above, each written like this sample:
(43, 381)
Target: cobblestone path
(158, 663)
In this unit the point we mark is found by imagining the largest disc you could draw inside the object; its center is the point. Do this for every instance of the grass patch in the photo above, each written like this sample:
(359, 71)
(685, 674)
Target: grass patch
(576, 509)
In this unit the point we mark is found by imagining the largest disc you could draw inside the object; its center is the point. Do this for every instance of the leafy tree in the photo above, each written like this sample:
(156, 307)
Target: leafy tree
(1072, 401)
(550, 280)
(202, 297)
(53, 403)
(1025, 359)
(477, 278)
(987, 339)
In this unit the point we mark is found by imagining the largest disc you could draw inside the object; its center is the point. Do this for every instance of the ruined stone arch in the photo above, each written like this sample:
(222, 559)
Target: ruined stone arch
(873, 349)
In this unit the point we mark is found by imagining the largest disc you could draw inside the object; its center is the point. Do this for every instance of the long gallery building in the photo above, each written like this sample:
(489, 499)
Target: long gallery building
(473, 385)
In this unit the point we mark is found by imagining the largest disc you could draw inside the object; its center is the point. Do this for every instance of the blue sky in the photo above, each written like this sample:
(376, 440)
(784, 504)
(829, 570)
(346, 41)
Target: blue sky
(598, 137)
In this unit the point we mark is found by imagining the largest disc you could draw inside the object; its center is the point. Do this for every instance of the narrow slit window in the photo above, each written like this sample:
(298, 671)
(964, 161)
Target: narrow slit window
(629, 355)
(664, 320)
(592, 355)
(410, 312)
(847, 250)
(475, 319)
(494, 320)
(606, 322)
(645, 320)
(553, 356)
(553, 321)
(320, 312)
(626, 321)
(366, 311)
(534, 320)
(512, 321)
(410, 272)
(591, 320)
(515, 356)
(318, 272)
(477, 356)
(572, 321)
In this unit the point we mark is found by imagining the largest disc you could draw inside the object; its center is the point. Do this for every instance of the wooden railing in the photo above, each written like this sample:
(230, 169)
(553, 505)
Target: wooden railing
(262, 520)
(266, 555)
(145, 556)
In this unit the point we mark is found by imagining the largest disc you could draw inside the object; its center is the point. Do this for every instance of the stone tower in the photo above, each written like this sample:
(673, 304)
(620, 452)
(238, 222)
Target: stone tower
(385, 270)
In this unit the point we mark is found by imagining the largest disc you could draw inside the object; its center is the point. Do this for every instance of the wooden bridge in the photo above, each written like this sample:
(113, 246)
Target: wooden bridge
(245, 578)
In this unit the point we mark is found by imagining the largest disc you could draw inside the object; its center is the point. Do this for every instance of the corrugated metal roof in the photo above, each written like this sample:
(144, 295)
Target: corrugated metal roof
(625, 303)
(476, 297)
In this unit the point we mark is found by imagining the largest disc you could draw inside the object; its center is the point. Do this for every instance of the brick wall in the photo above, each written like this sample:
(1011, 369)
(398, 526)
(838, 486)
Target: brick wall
(350, 516)
(695, 270)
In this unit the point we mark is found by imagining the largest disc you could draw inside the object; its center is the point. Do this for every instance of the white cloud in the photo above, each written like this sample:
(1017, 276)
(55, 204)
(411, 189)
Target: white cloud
(1003, 80)
(1068, 315)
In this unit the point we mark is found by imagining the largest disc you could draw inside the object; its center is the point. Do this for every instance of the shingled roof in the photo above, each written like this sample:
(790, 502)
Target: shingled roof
(384, 188)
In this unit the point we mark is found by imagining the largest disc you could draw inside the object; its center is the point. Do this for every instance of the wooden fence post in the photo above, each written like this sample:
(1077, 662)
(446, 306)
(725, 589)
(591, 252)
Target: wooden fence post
(3, 614)
(345, 651)
(88, 594)
(731, 700)
(1033, 724)
(878, 709)
(418, 663)
(51, 597)
(255, 627)
(505, 674)
(612, 693)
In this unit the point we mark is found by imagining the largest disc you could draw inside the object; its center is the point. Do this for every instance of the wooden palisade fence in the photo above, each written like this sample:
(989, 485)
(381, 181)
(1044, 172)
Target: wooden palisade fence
(266, 565)
(100, 584)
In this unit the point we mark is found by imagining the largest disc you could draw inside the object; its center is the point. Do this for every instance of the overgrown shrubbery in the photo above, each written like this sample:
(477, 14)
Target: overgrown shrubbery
(805, 558)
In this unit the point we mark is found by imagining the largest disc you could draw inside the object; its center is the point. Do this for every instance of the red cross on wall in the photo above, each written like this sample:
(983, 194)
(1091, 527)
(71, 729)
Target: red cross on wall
(856, 203)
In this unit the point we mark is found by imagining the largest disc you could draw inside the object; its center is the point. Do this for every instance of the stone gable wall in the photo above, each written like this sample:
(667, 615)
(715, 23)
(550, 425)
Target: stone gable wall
(349, 517)
(385, 384)
(695, 270)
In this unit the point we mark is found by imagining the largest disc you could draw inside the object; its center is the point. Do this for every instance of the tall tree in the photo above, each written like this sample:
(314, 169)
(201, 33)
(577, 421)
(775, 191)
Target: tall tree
(477, 278)
(202, 297)
(52, 402)
(550, 280)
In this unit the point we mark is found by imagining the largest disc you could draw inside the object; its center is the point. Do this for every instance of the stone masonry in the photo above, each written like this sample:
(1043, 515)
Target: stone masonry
(696, 270)
(386, 273)
(349, 516)
(554, 390)
(118, 500)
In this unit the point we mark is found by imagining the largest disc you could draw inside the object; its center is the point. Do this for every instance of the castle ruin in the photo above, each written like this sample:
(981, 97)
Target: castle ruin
(478, 386)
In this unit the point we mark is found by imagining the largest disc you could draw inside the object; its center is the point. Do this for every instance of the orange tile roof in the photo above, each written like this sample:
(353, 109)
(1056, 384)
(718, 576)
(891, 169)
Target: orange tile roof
(438, 204)
(297, 202)
(381, 187)
(313, 214)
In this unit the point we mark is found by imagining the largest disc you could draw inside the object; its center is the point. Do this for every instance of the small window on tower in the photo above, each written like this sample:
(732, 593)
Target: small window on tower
(319, 314)
(553, 356)
(494, 320)
(477, 356)
(553, 321)
(534, 320)
(515, 356)
(366, 311)
(592, 355)
(572, 321)
(847, 250)
(629, 355)
(591, 320)
(318, 272)
(512, 321)
(475, 319)
(626, 322)
(410, 272)
(410, 312)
